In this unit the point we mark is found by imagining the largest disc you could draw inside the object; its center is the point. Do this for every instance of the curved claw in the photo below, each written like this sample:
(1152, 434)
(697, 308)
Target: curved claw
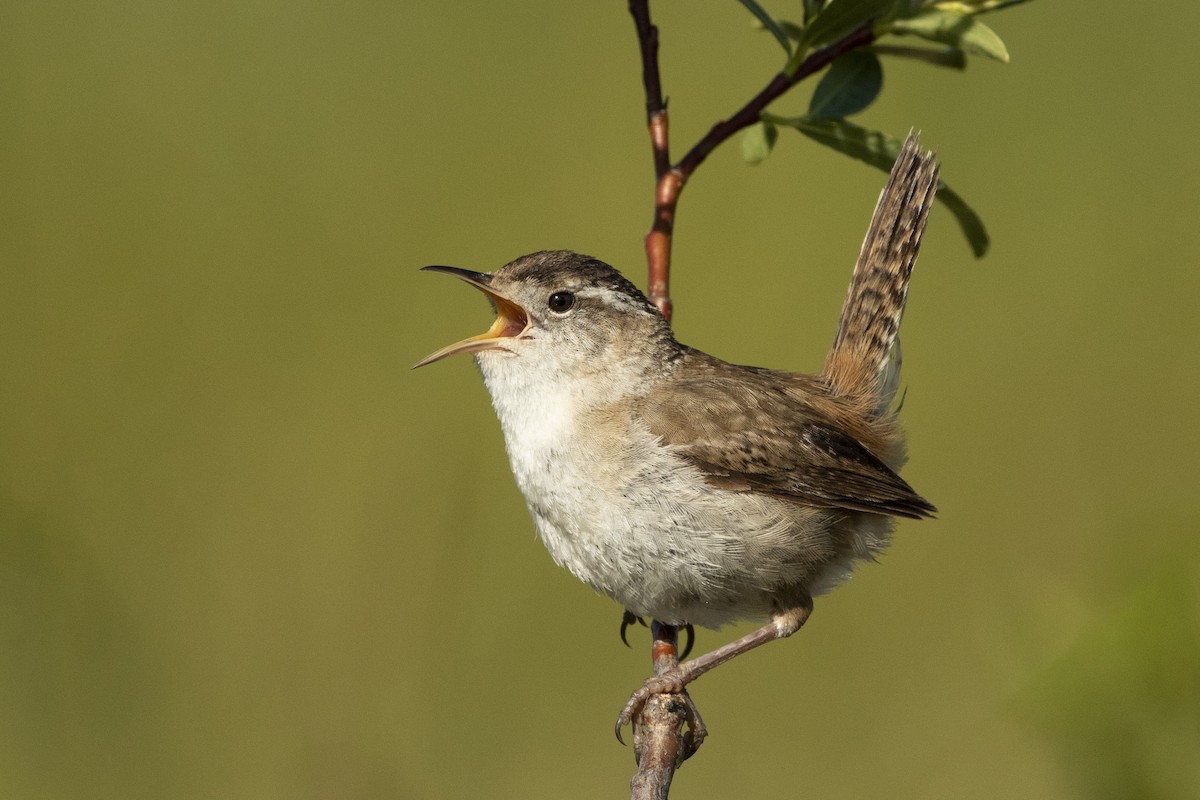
(691, 640)
(668, 683)
(627, 619)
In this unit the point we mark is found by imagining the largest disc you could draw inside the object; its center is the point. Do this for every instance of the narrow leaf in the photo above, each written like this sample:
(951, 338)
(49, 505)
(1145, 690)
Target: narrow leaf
(757, 141)
(944, 57)
(880, 151)
(768, 23)
(851, 84)
(957, 30)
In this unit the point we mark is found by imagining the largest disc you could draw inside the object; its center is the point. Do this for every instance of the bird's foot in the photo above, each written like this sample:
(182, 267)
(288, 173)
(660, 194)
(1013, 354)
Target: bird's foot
(672, 682)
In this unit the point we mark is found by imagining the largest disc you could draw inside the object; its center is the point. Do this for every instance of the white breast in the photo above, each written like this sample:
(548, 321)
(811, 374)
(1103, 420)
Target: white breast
(535, 415)
(632, 519)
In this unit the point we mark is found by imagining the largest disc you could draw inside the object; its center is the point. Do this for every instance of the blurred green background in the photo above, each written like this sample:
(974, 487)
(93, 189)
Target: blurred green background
(246, 553)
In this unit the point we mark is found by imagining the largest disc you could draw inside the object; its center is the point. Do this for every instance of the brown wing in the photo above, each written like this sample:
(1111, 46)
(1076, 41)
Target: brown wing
(748, 429)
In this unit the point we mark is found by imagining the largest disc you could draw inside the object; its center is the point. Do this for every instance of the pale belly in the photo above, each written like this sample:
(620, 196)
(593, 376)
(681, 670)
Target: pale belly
(638, 523)
(642, 526)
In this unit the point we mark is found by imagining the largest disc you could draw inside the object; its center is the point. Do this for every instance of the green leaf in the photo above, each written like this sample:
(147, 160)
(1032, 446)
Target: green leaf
(944, 57)
(880, 151)
(768, 23)
(851, 84)
(757, 141)
(957, 30)
(835, 21)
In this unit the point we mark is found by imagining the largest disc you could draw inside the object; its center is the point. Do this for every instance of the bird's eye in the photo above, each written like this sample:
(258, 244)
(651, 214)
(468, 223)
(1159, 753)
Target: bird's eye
(561, 302)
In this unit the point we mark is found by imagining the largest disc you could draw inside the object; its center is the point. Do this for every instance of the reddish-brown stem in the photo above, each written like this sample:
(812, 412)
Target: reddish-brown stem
(658, 240)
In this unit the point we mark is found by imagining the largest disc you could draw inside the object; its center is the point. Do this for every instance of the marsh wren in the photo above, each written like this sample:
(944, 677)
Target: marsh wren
(686, 488)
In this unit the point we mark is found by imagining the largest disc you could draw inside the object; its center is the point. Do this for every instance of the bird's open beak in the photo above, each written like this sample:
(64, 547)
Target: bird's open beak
(511, 319)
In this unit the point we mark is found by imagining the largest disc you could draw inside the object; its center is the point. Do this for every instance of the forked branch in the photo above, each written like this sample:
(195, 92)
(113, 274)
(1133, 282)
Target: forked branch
(671, 178)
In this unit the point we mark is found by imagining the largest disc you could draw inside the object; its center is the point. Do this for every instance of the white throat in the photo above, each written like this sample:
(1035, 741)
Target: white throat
(535, 407)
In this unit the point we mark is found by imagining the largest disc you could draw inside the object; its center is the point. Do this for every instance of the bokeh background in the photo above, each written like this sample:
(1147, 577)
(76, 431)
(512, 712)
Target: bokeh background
(246, 553)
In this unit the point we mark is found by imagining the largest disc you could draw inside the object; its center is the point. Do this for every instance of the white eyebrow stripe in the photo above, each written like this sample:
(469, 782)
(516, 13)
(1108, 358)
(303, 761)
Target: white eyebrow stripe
(614, 298)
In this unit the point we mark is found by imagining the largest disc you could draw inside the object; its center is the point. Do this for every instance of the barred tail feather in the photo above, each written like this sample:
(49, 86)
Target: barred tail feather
(864, 361)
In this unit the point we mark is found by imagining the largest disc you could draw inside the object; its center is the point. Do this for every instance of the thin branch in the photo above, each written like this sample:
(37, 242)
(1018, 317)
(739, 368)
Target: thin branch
(658, 240)
(657, 737)
(656, 107)
(659, 742)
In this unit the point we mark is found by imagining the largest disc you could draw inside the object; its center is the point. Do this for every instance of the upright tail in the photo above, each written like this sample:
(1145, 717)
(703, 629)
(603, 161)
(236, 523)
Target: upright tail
(864, 361)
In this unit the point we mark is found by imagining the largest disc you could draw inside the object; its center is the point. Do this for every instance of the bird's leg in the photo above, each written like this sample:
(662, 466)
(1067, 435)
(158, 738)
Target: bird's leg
(664, 654)
(628, 618)
(784, 622)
